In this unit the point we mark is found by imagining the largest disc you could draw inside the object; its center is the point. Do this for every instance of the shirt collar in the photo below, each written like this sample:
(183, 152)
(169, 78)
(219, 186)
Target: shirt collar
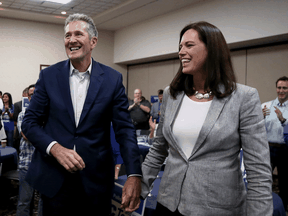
(285, 104)
(72, 68)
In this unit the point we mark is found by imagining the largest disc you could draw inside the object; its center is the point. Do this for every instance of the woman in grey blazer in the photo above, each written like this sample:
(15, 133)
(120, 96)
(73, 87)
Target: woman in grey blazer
(206, 118)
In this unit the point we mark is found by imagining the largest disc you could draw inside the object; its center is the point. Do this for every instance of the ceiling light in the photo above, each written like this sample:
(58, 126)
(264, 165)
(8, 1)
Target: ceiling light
(60, 17)
(63, 12)
(60, 1)
(0, 3)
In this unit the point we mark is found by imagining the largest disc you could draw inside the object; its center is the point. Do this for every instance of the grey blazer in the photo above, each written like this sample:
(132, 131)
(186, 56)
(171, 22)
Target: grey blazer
(209, 182)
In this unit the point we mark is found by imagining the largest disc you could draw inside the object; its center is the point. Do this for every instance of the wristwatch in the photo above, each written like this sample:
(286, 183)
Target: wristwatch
(283, 120)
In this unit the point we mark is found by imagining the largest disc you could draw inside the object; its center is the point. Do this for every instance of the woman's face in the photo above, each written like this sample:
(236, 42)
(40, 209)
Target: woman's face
(5, 98)
(193, 53)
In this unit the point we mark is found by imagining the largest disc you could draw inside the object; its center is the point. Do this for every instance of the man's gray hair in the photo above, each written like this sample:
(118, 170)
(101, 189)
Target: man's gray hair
(91, 28)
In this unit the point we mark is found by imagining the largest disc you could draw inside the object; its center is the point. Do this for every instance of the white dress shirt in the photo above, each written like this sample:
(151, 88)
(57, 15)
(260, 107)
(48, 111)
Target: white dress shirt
(274, 127)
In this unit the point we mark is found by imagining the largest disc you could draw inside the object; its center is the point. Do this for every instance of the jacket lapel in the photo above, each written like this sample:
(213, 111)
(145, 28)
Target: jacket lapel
(96, 80)
(172, 113)
(64, 86)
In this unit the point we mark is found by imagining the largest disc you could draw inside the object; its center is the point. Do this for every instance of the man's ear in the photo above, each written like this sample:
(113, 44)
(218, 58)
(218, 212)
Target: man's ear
(94, 41)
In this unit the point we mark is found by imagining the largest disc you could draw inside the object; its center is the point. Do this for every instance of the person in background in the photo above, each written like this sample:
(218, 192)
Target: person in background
(18, 106)
(116, 153)
(1, 103)
(7, 117)
(155, 110)
(152, 124)
(139, 111)
(275, 113)
(1, 123)
(17, 110)
(26, 192)
(286, 134)
(68, 121)
(2, 131)
(206, 117)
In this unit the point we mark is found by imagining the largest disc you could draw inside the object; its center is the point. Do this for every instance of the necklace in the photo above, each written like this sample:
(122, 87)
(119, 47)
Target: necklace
(201, 96)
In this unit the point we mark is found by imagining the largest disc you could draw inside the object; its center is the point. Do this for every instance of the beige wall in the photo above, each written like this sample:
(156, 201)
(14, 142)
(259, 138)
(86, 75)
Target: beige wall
(264, 66)
(239, 20)
(151, 77)
(24, 45)
(104, 53)
(239, 65)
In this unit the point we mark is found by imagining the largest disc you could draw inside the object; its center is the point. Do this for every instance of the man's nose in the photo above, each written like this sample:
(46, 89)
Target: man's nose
(72, 39)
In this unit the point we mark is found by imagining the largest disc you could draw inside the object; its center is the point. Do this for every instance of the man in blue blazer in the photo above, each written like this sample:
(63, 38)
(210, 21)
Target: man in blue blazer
(68, 121)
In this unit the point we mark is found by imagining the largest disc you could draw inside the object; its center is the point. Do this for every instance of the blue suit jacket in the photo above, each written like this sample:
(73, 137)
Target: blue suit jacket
(50, 117)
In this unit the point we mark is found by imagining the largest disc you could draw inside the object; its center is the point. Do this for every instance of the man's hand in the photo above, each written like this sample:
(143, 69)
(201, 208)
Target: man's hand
(279, 114)
(24, 137)
(137, 101)
(152, 123)
(131, 194)
(265, 111)
(68, 158)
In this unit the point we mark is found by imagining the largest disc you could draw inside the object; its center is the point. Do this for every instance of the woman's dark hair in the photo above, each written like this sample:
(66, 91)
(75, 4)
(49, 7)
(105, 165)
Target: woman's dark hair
(10, 99)
(218, 63)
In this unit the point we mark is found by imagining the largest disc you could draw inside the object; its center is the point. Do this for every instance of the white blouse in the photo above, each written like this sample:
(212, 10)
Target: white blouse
(188, 123)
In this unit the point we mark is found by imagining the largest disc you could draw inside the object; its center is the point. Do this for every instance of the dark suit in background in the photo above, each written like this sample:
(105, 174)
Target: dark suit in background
(17, 136)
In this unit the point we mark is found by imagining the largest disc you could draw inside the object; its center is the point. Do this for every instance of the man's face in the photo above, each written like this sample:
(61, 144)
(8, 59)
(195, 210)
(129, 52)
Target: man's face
(30, 93)
(77, 43)
(160, 97)
(137, 93)
(24, 94)
(282, 91)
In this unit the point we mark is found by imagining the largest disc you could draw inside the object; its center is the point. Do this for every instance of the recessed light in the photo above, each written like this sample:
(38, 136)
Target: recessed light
(60, 1)
(0, 3)
(63, 12)
(60, 17)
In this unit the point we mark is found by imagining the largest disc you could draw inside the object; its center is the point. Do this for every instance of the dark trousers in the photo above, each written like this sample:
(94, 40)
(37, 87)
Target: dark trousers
(72, 200)
(162, 210)
(279, 159)
(142, 125)
(9, 135)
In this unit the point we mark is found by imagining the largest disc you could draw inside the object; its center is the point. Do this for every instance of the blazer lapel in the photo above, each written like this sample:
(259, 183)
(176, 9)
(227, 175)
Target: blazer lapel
(96, 80)
(64, 86)
(171, 114)
(212, 115)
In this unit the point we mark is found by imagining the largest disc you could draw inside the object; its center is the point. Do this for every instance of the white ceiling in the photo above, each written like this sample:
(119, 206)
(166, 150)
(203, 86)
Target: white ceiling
(107, 14)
